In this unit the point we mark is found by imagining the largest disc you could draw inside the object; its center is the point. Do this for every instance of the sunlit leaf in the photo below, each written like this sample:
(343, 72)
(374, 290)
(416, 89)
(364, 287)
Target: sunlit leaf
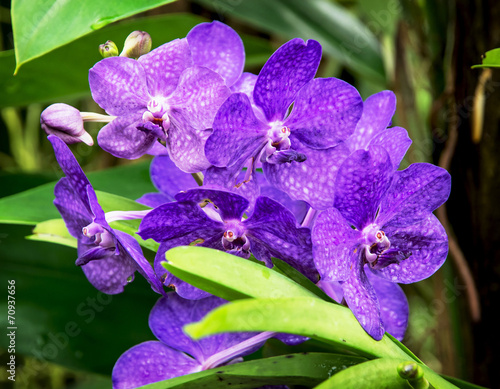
(53, 231)
(42, 26)
(380, 373)
(229, 276)
(311, 317)
(491, 59)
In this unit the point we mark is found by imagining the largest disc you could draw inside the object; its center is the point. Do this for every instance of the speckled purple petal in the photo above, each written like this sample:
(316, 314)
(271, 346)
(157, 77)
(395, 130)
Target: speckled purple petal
(273, 226)
(219, 48)
(75, 213)
(362, 181)
(334, 245)
(170, 314)
(111, 273)
(378, 110)
(150, 362)
(325, 112)
(168, 178)
(414, 193)
(132, 247)
(193, 106)
(231, 205)
(119, 85)
(428, 243)
(164, 65)
(123, 139)
(362, 300)
(69, 165)
(396, 141)
(394, 310)
(173, 220)
(313, 180)
(238, 134)
(285, 72)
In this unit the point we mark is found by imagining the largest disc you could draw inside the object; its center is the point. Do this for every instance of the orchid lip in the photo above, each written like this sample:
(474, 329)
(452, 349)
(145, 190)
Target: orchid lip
(102, 237)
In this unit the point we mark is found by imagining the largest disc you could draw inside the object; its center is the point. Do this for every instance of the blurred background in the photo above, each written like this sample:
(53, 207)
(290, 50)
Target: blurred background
(69, 335)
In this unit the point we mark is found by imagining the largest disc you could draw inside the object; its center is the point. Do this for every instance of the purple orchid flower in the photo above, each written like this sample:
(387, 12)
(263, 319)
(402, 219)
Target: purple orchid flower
(170, 94)
(382, 223)
(293, 146)
(176, 354)
(109, 258)
(214, 218)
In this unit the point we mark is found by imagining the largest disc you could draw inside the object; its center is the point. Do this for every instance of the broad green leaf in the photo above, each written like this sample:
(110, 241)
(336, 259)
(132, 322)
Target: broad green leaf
(229, 276)
(53, 231)
(491, 59)
(311, 317)
(341, 34)
(293, 369)
(61, 317)
(44, 25)
(292, 273)
(35, 205)
(40, 81)
(379, 373)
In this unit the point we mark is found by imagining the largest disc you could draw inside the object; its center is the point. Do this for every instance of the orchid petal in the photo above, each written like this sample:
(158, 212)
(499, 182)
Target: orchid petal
(394, 309)
(362, 181)
(428, 243)
(238, 135)
(118, 85)
(396, 141)
(413, 194)
(312, 180)
(219, 48)
(285, 72)
(325, 112)
(123, 139)
(378, 110)
(362, 300)
(334, 245)
(163, 66)
(150, 362)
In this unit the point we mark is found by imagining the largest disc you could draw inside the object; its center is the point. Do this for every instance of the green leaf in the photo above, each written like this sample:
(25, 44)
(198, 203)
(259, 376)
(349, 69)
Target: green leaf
(341, 34)
(311, 317)
(491, 59)
(44, 25)
(229, 276)
(292, 273)
(35, 205)
(293, 369)
(40, 81)
(53, 231)
(379, 373)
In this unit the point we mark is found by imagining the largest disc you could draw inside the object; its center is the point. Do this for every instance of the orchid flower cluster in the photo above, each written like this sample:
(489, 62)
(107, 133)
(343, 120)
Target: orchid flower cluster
(294, 167)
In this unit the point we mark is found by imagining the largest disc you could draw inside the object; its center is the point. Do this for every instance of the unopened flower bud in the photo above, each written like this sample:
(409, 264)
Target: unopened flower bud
(137, 43)
(65, 122)
(108, 49)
